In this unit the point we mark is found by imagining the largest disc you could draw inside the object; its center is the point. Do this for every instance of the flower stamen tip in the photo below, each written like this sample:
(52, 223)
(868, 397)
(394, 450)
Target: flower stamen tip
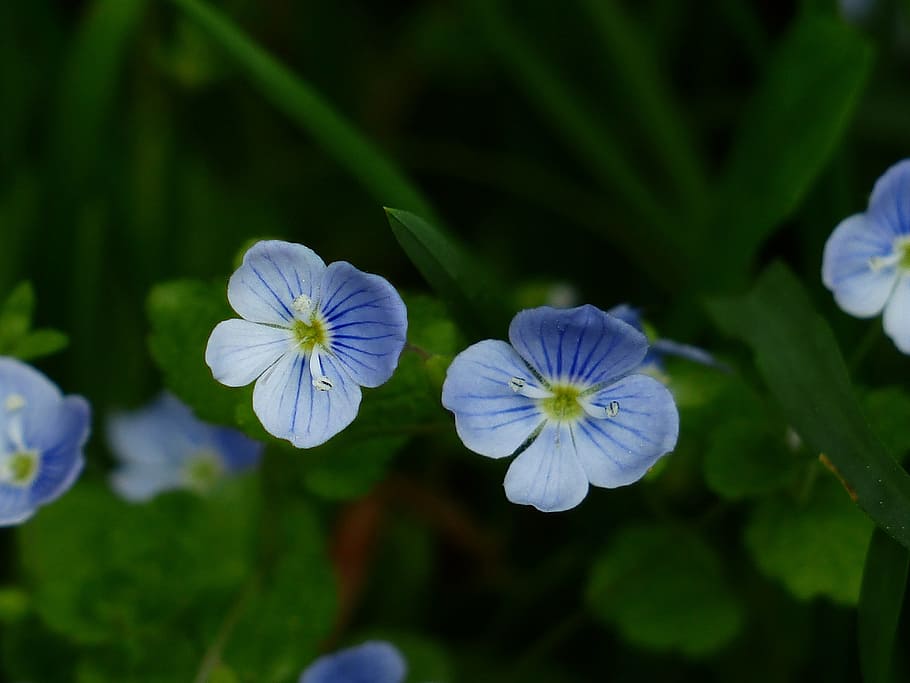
(14, 402)
(302, 304)
(323, 383)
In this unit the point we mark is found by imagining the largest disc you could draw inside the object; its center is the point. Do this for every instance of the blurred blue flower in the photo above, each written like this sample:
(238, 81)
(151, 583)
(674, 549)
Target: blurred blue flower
(371, 662)
(163, 447)
(564, 399)
(867, 258)
(310, 337)
(42, 434)
(653, 363)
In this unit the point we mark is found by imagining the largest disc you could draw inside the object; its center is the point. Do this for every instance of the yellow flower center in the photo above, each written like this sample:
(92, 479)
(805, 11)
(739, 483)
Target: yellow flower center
(22, 467)
(563, 404)
(203, 470)
(310, 334)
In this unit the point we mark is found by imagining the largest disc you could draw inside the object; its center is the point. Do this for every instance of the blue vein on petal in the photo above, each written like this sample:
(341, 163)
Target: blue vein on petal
(274, 294)
(581, 337)
(268, 257)
(596, 365)
(491, 413)
(584, 428)
(543, 347)
(299, 360)
(360, 338)
(368, 304)
(327, 312)
(364, 322)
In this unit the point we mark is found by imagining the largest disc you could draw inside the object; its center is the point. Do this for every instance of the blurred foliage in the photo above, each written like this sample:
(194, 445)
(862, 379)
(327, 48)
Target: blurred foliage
(596, 152)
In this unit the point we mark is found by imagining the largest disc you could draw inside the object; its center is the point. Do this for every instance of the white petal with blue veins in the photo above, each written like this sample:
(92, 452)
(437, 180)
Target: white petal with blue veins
(366, 321)
(273, 274)
(548, 474)
(581, 345)
(490, 417)
(897, 315)
(239, 351)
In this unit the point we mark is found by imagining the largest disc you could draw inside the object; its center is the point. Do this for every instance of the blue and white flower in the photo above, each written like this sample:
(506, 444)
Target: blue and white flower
(867, 258)
(310, 337)
(566, 399)
(372, 662)
(163, 447)
(42, 434)
(653, 364)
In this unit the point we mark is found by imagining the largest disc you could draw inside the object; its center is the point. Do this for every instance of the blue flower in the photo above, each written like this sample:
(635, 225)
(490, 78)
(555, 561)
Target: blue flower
(371, 662)
(562, 397)
(310, 337)
(653, 363)
(867, 258)
(163, 447)
(42, 434)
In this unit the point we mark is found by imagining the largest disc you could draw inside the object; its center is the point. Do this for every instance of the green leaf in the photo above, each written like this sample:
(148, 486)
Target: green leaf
(789, 132)
(293, 608)
(746, 459)
(888, 410)
(881, 600)
(801, 364)
(379, 176)
(39, 343)
(16, 339)
(183, 314)
(472, 294)
(815, 547)
(102, 570)
(663, 588)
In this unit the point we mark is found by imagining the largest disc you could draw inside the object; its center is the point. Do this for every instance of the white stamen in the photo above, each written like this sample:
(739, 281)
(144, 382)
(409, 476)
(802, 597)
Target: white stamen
(302, 304)
(14, 402)
(320, 381)
(520, 386)
(599, 412)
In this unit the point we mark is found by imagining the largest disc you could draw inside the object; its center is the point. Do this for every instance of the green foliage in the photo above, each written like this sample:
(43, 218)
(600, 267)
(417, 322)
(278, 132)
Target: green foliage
(799, 359)
(790, 130)
(664, 589)
(888, 412)
(814, 546)
(881, 600)
(99, 567)
(16, 336)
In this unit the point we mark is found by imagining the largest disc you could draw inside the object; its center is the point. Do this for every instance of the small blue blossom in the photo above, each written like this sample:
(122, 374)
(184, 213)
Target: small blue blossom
(163, 447)
(867, 258)
(42, 434)
(371, 662)
(653, 363)
(310, 337)
(563, 399)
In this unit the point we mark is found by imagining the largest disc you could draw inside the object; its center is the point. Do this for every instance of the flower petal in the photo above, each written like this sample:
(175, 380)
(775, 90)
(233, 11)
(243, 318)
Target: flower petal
(238, 452)
(239, 351)
(582, 345)
(490, 418)
(367, 322)
(161, 434)
(890, 201)
(139, 482)
(39, 398)
(628, 314)
(897, 315)
(548, 474)
(290, 407)
(619, 450)
(272, 275)
(668, 347)
(15, 504)
(61, 449)
(372, 662)
(846, 266)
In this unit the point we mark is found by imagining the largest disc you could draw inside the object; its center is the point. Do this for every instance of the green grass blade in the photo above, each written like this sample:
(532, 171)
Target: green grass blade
(471, 292)
(379, 176)
(799, 359)
(790, 130)
(880, 602)
(596, 147)
(661, 121)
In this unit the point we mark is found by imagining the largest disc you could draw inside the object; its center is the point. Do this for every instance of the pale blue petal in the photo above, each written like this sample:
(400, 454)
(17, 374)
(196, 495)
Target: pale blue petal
(616, 451)
(238, 452)
(289, 407)
(582, 345)
(239, 351)
(490, 417)
(372, 662)
(548, 474)
(15, 505)
(890, 201)
(61, 447)
(139, 482)
(897, 315)
(367, 323)
(628, 314)
(858, 289)
(41, 396)
(669, 347)
(163, 433)
(272, 275)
